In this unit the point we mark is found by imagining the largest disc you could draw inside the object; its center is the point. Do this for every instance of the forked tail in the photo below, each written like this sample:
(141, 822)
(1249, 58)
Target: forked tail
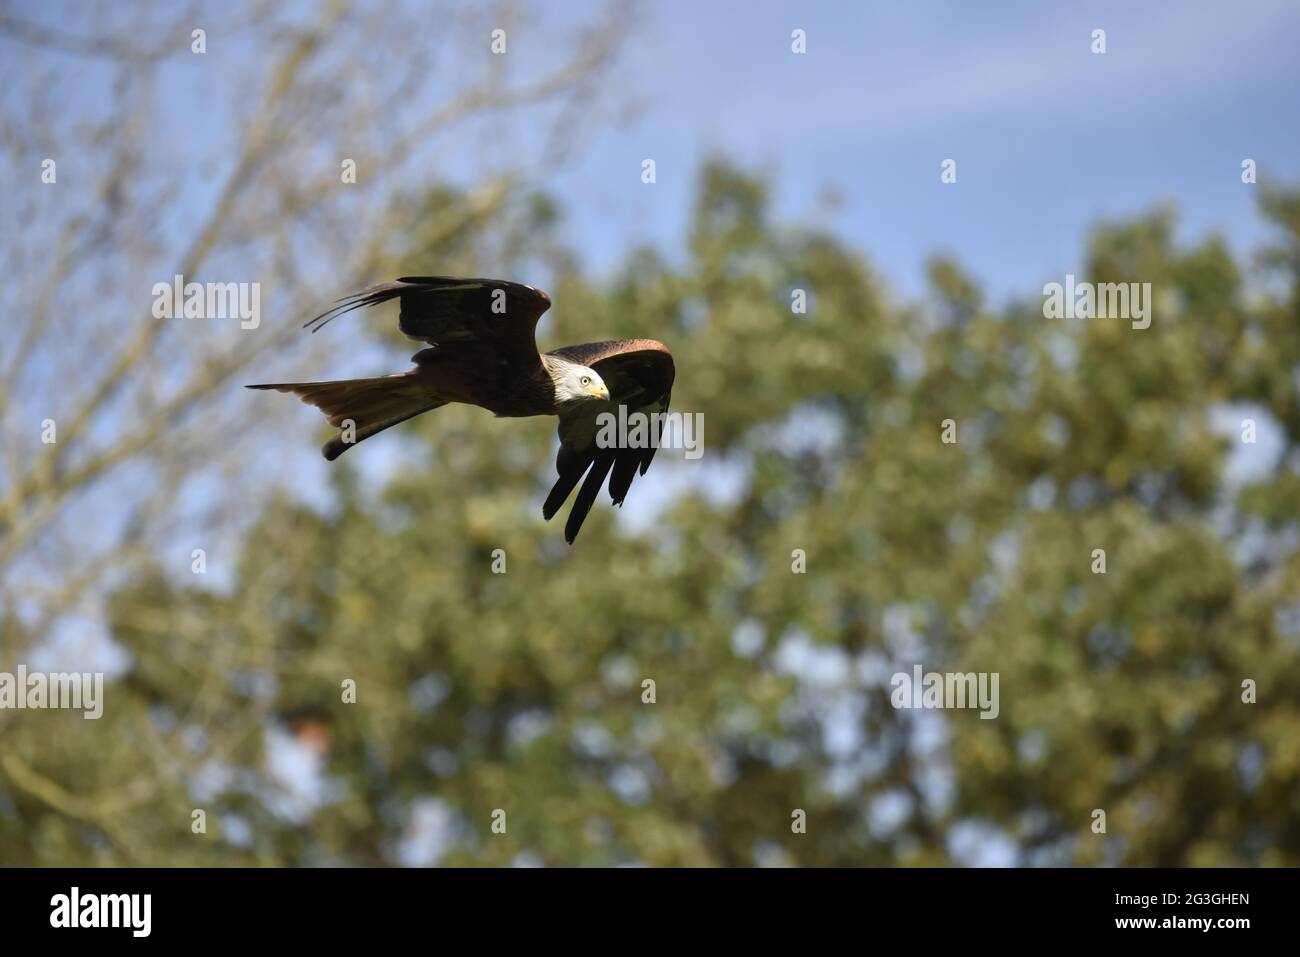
(361, 408)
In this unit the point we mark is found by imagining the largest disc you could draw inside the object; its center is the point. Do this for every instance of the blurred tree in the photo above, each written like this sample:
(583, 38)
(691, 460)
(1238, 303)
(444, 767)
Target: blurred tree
(524, 692)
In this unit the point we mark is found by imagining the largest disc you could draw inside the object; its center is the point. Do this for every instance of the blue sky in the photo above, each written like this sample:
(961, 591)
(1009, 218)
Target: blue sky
(1048, 137)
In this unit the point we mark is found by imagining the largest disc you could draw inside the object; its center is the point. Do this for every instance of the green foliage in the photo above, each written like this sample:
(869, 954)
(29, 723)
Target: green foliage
(523, 691)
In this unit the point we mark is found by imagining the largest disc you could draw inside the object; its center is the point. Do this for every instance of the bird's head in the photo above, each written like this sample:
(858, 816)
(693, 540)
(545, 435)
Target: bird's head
(575, 382)
(579, 384)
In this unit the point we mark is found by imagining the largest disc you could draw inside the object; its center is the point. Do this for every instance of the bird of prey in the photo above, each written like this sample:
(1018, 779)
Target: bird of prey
(482, 351)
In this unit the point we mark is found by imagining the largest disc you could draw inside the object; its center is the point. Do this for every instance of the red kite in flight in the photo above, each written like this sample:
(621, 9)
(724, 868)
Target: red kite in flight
(482, 352)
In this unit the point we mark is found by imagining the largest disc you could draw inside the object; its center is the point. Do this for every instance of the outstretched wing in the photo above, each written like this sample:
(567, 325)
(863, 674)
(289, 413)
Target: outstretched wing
(639, 374)
(444, 309)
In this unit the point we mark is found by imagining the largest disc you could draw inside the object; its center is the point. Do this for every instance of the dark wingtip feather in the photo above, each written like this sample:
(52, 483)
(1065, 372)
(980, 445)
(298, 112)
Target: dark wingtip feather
(621, 480)
(587, 496)
(372, 296)
(560, 491)
(571, 468)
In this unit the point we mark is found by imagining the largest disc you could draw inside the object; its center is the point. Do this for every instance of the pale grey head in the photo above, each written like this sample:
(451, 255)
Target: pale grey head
(574, 382)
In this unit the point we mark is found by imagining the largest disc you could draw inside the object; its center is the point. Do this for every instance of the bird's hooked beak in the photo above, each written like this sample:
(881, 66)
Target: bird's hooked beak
(599, 392)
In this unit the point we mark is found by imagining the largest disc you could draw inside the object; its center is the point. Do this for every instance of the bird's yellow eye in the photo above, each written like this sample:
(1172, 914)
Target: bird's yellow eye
(585, 380)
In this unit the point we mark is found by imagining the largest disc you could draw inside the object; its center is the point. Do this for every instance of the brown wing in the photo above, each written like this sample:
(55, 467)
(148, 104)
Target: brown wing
(639, 374)
(445, 309)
